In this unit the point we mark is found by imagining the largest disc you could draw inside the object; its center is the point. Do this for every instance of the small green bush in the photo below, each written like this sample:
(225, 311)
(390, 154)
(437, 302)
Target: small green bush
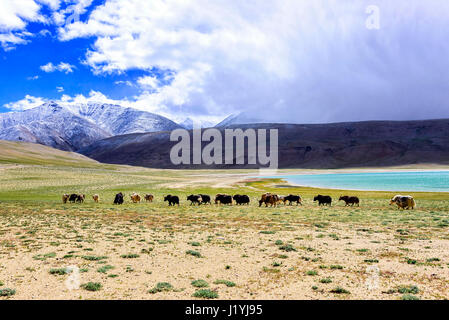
(92, 286)
(200, 283)
(194, 253)
(161, 286)
(105, 269)
(340, 290)
(226, 282)
(7, 292)
(130, 256)
(206, 294)
(60, 271)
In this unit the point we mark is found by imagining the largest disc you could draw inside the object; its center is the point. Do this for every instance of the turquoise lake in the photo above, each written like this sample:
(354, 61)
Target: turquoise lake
(432, 181)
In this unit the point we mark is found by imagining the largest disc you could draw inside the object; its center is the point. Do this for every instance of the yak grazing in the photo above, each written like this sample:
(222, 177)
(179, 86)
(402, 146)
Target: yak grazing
(350, 200)
(403, 202)
(323, 200)
(172, 200)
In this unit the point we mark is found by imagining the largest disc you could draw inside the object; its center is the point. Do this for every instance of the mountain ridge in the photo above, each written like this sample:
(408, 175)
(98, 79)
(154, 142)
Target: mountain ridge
(72, 127)
(314, 146)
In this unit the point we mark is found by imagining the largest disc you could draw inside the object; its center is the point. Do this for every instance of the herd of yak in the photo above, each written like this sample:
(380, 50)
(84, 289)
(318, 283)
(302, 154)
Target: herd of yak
(269, 199)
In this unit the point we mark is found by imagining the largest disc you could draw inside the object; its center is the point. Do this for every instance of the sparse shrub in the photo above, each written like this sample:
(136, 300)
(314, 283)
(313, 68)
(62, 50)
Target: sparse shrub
(60, 271)
(160, 287)
(92, 286)
(336, 267)
(206, 294)
(326, 280)
(409, 297)
(105, 269)
(94, 258)
(7, 292)
(311, 273)
(194, 253)
(226, 282)
(199, 283)
(340, 290)
(287, 248)
(130, 256)
(410, 289)
(44, 257)
(371, 260)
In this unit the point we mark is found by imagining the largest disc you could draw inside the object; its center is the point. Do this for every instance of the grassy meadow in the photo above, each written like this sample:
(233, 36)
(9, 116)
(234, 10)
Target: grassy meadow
(153, 251)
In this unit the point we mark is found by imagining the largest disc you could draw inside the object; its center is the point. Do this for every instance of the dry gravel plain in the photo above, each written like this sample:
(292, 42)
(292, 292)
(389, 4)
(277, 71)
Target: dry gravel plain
(50, 250)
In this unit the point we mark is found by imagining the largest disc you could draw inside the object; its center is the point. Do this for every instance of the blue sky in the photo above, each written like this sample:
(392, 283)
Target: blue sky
(281, 61)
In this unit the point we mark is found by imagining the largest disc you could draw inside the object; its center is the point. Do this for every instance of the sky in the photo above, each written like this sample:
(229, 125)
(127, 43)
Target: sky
(301, 61)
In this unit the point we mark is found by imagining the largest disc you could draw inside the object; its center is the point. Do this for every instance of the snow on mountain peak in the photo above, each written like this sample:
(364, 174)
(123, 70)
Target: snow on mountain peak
(74, 126)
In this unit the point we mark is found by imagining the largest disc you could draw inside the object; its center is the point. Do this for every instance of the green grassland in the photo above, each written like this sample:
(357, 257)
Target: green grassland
(276, 253)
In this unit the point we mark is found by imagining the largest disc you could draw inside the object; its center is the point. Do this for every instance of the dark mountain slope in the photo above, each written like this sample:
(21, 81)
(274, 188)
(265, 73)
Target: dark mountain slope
(336, 145)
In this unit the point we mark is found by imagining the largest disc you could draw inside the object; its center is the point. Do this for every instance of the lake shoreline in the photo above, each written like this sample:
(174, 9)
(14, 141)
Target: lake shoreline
(387, 181)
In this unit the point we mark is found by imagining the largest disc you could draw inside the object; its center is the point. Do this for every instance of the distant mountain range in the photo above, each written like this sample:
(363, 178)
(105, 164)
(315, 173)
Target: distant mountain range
(72, 127)
(188, 124)
(335, 145)
(114, 134)
(239, 118)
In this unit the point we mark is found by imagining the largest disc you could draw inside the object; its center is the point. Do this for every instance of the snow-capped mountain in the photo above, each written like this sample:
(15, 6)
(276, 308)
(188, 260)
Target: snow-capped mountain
(188, 124)
(72, 127)
(118, 120)
(239, 118)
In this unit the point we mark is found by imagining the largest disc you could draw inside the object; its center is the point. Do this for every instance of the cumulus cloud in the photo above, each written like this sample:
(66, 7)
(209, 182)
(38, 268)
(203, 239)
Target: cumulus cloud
(292, 60)
(17, 14)
(62, 67)
(26, 103)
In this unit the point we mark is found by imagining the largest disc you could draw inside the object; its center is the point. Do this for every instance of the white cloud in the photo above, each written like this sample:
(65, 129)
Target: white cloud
(62, 67)
(33, 78)
(60, 89)
(291, 60)
(148, 82)
(15, 14)
(126, 83)
(26, 103)
(10, 39)
(71, 13)
(53, 4)
(14, 17)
